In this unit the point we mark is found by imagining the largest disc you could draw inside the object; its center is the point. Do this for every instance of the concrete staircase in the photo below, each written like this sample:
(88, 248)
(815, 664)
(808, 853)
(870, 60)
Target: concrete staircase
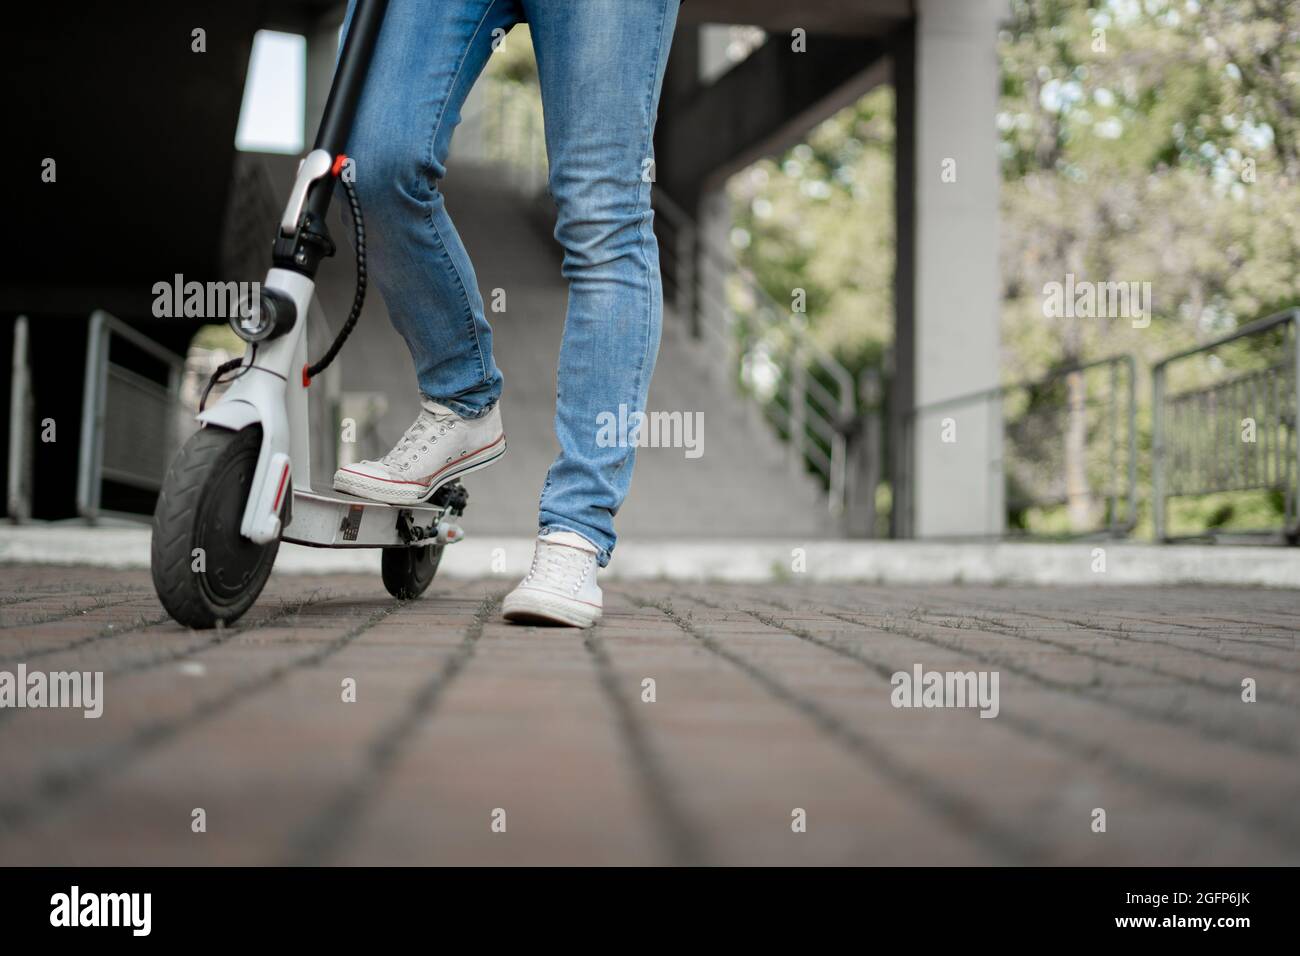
(741, 486)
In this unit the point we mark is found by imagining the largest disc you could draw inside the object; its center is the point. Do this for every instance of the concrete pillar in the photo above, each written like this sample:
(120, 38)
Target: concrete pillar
(957, 485)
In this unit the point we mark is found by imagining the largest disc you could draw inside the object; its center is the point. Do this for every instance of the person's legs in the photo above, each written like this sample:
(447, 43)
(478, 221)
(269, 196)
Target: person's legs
(428, 55)
(601, 66)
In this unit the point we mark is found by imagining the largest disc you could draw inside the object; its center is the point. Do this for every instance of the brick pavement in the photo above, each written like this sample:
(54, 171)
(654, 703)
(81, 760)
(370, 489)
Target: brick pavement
(768, 698)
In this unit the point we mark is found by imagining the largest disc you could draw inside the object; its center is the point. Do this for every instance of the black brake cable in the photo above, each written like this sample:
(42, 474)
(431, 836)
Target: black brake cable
(358, 300)
(359, 297)
(216, 379)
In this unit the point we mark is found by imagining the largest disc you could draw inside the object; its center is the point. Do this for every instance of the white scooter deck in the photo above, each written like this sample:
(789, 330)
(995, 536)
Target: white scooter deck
(325, 518)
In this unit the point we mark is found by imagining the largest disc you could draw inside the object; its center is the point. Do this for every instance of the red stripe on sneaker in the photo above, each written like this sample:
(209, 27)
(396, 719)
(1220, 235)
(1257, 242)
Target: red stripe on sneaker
(391, 481)
(464, 458)
(425, 482)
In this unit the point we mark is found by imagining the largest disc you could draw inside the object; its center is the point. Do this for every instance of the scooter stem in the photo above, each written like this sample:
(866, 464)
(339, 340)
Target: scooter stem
(332, 134)
(273, 390)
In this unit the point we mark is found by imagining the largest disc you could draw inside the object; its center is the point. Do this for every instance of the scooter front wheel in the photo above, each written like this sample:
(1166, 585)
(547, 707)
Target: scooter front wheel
(205, 572)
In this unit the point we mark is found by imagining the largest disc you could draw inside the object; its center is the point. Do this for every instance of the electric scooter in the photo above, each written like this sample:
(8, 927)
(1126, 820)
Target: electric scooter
(243, 483)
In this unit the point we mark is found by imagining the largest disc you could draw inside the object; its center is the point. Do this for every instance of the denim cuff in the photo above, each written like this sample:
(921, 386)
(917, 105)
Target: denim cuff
(602, 554)
(460, 408)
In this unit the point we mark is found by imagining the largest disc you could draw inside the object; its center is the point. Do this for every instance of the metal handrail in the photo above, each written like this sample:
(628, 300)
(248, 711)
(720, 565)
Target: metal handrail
(99, 369)
(998, 459)
(812, 407)
(1247, 330)
(1283, 428)
(21, 435)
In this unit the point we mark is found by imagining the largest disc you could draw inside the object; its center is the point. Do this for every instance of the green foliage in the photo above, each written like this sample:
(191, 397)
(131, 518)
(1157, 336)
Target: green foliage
(821, 218)
(1150, 142)
(219, 337)
(513, 59)
(1140, 140)
(1236, 512)
(1154, 141)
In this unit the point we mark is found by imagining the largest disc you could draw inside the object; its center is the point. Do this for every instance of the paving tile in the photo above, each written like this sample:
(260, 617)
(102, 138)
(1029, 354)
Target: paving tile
(768, 701)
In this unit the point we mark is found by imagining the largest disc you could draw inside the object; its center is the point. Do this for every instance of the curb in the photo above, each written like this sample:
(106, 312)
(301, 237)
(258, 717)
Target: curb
(747, 560)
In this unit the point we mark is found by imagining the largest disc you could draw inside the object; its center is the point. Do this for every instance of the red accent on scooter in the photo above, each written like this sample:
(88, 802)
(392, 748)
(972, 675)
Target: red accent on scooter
(339, 160)
(306, 379)
(279, 493)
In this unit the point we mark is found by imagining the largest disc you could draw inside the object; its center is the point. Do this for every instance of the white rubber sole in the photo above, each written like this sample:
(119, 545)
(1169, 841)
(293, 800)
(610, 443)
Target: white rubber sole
(393, 493)
(533, 606)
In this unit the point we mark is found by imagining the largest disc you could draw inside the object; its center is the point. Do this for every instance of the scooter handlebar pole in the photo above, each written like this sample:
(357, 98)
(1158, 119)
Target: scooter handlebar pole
(350, 76)
(345, 94)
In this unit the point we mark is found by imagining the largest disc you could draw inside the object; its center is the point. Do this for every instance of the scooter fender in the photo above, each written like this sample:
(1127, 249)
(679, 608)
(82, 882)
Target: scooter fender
(272, 477)
(270, 394)
(231, 415)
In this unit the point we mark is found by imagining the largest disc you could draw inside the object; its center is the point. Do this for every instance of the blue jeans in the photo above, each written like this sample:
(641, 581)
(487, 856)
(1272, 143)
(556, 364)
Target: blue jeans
(601, 66)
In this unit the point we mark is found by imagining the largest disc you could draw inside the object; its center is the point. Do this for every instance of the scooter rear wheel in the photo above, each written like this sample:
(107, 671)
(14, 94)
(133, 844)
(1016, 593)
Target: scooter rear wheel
(205, 572)
(409, 571)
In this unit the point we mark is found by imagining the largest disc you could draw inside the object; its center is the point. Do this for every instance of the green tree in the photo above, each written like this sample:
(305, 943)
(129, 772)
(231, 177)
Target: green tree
(1148, 142)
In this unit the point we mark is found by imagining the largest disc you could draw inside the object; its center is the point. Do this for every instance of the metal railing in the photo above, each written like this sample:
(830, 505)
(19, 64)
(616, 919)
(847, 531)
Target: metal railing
(1235, 434)
(22, 437)
(802, 390)
(806, 395)
(1064, 446)
(131, 424)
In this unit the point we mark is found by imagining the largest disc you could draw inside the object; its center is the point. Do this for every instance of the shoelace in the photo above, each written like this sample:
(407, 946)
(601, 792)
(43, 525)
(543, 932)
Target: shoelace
(560, 567)
(426, 421)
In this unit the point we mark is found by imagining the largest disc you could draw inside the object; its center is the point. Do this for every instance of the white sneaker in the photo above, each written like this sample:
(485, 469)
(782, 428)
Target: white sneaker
(560, 587)
(439, 446)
